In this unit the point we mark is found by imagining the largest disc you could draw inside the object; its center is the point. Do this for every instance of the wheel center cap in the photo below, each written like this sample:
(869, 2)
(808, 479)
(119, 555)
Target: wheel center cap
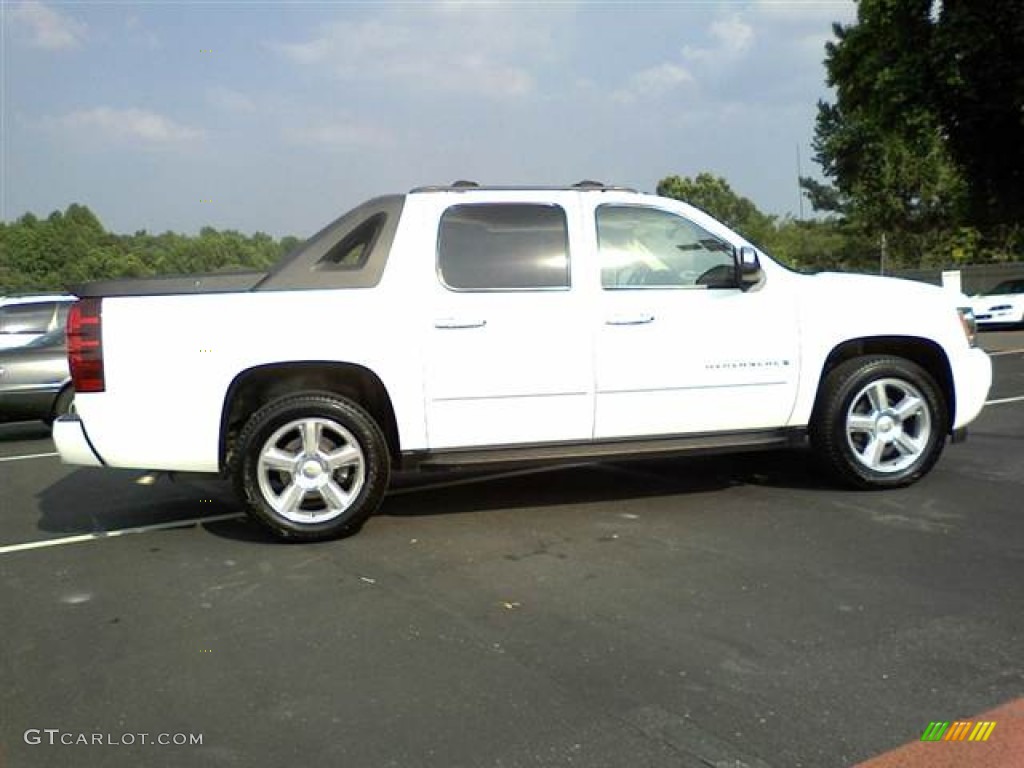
(885, 424)
(312, 469)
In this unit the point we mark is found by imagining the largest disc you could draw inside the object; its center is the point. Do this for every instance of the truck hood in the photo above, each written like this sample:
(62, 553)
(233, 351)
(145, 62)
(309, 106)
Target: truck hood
(844, 286)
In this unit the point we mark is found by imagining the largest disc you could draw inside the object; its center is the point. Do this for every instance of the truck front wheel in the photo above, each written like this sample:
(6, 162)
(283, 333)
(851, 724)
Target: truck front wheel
(311, 466)
(880, 422)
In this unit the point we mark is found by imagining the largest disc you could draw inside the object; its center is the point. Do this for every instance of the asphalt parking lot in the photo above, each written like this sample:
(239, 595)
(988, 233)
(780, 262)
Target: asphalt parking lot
(728, 611)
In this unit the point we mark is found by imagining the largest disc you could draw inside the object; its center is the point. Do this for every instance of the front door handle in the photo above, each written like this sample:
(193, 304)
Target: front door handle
(459, 322)
(630, 319)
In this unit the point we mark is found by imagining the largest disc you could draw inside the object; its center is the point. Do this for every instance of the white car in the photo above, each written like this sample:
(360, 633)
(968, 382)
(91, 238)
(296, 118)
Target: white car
(469, 326)
(23, 319)
(1003, 305)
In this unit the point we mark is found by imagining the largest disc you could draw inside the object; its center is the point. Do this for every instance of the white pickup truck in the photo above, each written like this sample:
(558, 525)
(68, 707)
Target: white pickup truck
(463, 326)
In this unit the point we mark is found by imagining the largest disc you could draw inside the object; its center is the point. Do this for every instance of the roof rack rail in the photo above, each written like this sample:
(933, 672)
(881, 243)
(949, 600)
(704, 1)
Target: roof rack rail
(463, 184)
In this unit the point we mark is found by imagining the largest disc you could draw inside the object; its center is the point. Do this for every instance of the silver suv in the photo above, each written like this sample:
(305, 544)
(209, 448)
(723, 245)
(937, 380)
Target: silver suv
(25, 318)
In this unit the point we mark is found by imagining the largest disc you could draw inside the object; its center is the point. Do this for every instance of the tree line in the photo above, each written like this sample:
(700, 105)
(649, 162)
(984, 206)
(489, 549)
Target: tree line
(72, 247)
(826, 243)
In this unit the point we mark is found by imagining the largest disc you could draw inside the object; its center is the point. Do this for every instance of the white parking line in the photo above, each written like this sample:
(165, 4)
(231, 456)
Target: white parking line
(1006, 352)
(28, 456)
(115, 533)
(1005, 400)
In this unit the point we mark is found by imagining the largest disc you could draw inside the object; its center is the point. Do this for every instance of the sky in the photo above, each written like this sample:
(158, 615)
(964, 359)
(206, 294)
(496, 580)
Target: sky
(277, 117)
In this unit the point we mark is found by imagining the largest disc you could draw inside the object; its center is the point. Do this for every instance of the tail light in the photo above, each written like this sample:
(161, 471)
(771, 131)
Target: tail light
(85, 345)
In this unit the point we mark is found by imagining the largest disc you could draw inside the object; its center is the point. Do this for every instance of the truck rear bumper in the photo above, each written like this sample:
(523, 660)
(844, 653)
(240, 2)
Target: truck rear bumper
(72, 442)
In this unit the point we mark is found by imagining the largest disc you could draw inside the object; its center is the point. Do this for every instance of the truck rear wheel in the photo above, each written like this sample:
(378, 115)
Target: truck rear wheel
(311, 466)
(880, 422)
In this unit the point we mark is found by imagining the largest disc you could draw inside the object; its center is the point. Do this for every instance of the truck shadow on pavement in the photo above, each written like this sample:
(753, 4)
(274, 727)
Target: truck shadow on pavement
(597, 482)
(102, 500)
(94, 500)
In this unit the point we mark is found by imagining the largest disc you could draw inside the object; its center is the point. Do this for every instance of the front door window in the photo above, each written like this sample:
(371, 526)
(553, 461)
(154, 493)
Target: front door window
(649, 248)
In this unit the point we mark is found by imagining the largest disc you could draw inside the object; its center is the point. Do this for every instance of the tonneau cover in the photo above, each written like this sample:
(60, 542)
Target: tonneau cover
(221, 282)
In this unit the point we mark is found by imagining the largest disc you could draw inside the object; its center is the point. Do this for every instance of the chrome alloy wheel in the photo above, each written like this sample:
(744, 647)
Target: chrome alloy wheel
(888, 425)
(311, 470)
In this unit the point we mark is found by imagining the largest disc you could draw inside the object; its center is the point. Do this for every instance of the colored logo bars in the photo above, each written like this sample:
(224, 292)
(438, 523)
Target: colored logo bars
(961, 730)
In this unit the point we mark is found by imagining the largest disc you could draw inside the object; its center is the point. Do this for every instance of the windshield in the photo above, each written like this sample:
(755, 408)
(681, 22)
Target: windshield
(1009, 286)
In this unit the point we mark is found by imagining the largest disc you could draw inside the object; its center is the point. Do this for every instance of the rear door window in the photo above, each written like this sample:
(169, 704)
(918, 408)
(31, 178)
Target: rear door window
(503, 247)
(26, 318)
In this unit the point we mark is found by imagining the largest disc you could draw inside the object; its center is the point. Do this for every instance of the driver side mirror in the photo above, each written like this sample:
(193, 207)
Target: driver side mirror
(748, 267)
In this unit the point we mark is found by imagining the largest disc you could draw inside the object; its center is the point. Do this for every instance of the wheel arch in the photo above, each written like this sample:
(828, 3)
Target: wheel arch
(256, 386)
(66, 386)
(924, 352)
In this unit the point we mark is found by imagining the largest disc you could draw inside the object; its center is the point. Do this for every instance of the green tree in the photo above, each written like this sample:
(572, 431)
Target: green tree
(817, 244)
(825, 243)
(714, 195)
(824, 197)
(978, 59)
(881, 142)
(925, 138)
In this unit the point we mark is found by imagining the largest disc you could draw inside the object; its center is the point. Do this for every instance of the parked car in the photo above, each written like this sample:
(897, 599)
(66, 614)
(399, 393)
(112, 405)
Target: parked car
(1003, 305)
(25, 318)
(35, 382)
(466, 326)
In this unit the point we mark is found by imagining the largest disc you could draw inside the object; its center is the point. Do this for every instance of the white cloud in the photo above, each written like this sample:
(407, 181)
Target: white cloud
(791, 38)
(127, 124)
(47, 28)
(337, 132)
(230, 100)
(138, 33)
(729, 41)
(731, 38)
(806, 26)
(653, 82)
(481, 49)
(806, 12)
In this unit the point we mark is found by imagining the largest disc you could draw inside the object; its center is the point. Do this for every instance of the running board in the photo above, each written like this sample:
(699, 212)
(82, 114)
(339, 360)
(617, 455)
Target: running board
(543, 453)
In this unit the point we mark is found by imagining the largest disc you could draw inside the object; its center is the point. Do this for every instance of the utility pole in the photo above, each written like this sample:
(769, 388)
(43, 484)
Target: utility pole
(881, 262)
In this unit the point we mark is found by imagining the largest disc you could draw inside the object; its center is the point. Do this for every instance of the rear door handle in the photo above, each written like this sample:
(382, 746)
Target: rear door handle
(459, 322)
(629, 319)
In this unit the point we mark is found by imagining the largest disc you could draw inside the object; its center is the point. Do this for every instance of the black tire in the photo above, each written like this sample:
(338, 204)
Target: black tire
(868, 446)
(316, 497)
(61, 405)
